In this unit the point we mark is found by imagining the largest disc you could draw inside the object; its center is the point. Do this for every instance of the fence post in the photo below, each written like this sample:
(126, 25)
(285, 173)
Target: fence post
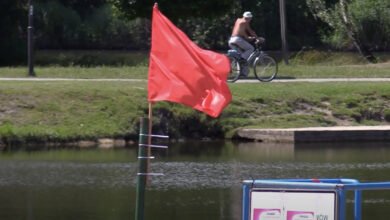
(282, 12)
(30, 39)
(142, 169)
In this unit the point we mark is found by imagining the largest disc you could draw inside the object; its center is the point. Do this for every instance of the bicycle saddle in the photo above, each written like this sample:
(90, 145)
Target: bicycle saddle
(234, 53)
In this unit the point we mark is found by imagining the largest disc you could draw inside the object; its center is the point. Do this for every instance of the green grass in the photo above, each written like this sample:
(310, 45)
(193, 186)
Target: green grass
(140, 72)
(88, 58)
(67, 111)
(125, 72)
(381, 70)
(134, 65)
(311, 104)
(325, 64)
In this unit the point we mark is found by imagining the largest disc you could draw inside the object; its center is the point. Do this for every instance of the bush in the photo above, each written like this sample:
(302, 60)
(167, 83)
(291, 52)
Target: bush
(13, 19)
(369, 22)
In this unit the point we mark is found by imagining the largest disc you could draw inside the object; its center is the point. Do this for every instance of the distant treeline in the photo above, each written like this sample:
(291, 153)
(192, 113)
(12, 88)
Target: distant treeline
(125, 25)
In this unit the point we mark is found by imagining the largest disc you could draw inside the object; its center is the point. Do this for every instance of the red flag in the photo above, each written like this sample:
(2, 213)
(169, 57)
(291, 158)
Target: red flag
(181, 72)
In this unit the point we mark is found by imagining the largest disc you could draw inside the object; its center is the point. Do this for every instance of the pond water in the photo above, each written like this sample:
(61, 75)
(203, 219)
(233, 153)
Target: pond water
(202, 179)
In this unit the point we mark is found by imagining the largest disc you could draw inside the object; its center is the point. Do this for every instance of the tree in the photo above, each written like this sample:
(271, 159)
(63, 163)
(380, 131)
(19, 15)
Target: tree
(13, 19)
(352, 31)
(352, 23)
(174, 9)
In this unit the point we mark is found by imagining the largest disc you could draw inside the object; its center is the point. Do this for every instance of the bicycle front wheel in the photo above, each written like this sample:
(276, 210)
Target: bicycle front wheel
(235, 68)
(265, 68)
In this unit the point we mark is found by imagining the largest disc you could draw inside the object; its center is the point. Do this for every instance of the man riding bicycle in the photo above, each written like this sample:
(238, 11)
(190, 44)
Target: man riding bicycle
(241, 35)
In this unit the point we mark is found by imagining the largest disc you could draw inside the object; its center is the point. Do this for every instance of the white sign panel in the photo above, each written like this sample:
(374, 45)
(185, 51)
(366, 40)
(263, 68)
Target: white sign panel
(293, 205)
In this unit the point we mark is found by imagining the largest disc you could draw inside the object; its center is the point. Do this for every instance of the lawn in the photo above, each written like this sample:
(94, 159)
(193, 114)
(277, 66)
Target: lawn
(134, 65)
(67, 111)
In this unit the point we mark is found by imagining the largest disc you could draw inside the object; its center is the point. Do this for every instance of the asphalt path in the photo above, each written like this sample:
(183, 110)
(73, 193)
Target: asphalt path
(314, 80)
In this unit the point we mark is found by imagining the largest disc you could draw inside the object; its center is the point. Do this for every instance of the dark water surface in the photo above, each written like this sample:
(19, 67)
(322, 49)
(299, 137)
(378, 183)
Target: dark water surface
(202, 179)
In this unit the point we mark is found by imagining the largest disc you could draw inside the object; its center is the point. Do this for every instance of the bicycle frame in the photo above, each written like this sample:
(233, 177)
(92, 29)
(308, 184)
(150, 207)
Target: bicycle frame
(252, 57)
(258, 62)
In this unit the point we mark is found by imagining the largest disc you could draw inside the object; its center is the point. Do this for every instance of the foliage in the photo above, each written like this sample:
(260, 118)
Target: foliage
(178, 9)
(370, 19)
(13, 18)
(61, 26)
(300, 23)
(102, 27)
(210, 32)
(100, 24)
(373, 22)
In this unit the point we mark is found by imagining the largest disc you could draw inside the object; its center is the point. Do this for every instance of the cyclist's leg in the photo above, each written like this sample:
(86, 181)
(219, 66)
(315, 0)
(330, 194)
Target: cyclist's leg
(233, 45)
(246, 47)
(244, 62)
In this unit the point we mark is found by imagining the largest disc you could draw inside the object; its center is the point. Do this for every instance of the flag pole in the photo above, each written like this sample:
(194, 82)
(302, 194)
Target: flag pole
(142, 170)
(144, 155)
(150, 117)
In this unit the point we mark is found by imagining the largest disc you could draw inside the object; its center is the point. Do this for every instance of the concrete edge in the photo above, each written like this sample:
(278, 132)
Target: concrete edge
(317, 134)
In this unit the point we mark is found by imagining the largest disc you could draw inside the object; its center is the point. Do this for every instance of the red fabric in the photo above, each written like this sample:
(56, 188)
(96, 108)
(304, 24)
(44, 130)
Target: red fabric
(181, 72)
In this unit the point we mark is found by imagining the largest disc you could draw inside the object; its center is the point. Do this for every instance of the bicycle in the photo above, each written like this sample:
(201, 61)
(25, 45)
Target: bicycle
(264, 66)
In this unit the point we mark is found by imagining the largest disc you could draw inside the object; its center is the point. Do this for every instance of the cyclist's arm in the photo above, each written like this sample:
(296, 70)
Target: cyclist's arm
(251, 32)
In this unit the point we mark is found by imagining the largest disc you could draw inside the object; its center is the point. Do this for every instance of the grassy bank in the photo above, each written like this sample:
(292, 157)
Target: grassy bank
(67, 111)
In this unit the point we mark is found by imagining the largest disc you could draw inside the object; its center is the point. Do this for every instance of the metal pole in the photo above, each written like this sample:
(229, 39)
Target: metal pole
(282, 12)
(246, 188)
(30, 40)
(150, 126)
(142, 169)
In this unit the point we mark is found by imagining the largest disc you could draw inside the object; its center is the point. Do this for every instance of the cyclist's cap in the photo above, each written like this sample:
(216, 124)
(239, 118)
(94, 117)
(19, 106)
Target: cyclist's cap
(247, 14)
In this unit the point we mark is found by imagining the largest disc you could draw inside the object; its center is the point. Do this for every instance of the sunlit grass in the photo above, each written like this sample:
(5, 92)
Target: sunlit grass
(134, 65)
(68, 111)
(381, 70)
(125, 72)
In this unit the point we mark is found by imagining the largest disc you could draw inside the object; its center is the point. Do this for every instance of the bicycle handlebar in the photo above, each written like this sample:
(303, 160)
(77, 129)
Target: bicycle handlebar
(259, 40)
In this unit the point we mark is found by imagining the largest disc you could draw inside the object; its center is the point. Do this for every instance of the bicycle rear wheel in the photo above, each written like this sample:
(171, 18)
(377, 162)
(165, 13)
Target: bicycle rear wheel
(265, 68)
(235, 68)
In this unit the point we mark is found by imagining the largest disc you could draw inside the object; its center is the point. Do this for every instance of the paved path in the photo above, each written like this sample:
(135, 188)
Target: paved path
(238, 81)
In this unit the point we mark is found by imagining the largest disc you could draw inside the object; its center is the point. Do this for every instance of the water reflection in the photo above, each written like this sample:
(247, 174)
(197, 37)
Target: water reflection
(202, 179)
